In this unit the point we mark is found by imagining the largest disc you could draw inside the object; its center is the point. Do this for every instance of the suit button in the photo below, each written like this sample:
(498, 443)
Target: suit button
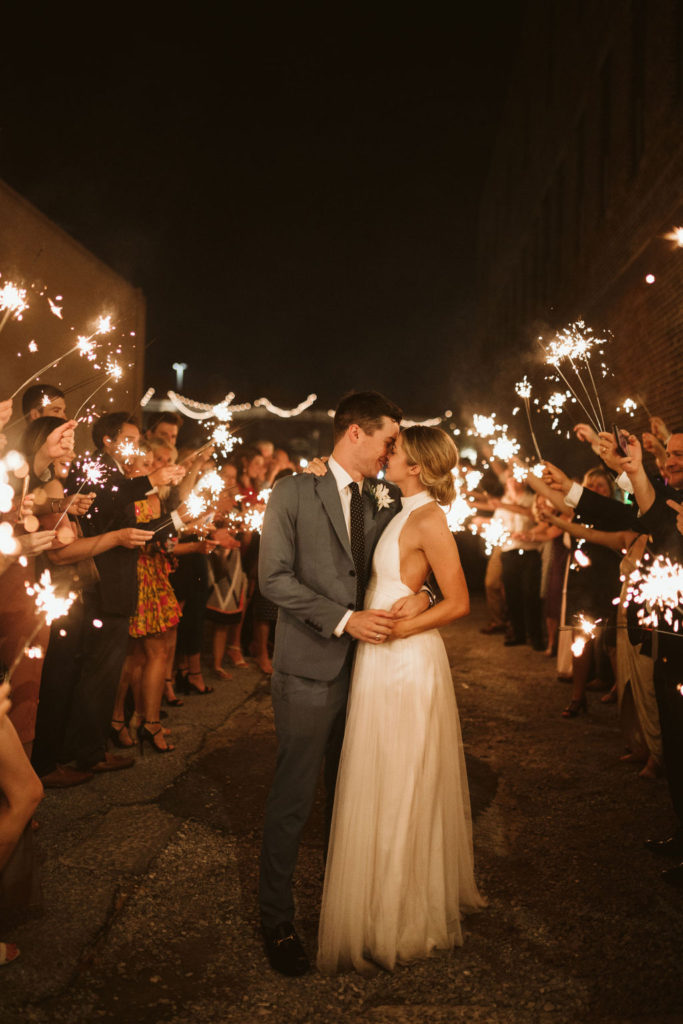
(352, 572)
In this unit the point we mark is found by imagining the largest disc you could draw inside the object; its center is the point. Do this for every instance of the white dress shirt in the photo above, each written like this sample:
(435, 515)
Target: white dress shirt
(343, 480)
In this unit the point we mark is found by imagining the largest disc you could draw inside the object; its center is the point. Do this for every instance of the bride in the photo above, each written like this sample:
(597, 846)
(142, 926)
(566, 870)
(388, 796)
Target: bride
(400, 871)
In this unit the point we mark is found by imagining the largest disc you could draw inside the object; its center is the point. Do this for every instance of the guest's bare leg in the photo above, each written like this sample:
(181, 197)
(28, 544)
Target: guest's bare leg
(21, 788)
(220, 638)
(261, 635)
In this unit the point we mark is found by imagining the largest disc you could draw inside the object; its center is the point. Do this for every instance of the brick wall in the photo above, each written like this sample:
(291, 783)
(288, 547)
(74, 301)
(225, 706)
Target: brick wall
(37, 255)
(586, 178)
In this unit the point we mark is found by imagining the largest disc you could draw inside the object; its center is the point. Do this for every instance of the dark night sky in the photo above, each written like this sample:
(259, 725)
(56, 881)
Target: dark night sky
(296, 197)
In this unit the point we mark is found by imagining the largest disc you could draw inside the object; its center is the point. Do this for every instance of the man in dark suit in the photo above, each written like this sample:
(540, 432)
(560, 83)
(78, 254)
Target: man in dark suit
(109, 603)
(318, 538)
(659, 511)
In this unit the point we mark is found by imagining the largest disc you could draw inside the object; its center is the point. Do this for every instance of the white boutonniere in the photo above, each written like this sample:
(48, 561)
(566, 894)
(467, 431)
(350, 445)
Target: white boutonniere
(383, 499)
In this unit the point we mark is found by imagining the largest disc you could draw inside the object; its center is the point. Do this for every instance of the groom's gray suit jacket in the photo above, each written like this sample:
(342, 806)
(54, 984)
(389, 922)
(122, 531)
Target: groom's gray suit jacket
(307, 570)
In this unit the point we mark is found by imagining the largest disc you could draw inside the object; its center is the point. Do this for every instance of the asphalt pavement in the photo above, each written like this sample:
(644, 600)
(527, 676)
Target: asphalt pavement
(149, 875)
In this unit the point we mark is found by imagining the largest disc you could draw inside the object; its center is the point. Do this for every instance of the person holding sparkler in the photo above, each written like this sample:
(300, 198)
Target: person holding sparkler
(43, 400)
(592, 573)
(660, 510)
(112, 600)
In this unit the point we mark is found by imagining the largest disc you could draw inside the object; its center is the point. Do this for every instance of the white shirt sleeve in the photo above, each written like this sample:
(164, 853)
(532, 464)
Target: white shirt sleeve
(624, 482)
(573, 495)
(341, 625)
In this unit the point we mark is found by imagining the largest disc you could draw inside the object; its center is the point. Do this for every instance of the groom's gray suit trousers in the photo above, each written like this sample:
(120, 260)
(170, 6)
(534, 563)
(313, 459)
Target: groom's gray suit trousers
(309, 721)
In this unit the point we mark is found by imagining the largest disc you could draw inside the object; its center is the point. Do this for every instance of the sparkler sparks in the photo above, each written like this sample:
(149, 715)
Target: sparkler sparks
(676, 236)
(213, 482)
(458, 513)
(658, 589)
(47, 601)
(223, 439)
(472, 479)
(523, 389)
(628, 406)
(8, 542)
(504, 448)
(494, 534)
(12, 302)
(86, 347)
(54, 308)
(587, 630)
(104, 325)
(485, 426)
(574, 345)
(195, 504)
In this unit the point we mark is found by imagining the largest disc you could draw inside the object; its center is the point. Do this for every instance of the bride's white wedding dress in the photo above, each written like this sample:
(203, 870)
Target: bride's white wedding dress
(400, 868)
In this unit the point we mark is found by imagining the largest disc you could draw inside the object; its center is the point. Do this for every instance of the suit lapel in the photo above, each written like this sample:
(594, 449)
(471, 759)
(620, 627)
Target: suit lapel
(326, 489)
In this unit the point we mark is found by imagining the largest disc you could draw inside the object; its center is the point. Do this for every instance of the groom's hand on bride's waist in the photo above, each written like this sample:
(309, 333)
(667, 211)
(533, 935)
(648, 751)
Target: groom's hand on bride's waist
(372, 626)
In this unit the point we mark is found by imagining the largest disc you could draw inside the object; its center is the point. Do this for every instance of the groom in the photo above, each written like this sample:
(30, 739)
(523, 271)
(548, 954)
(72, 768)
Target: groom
(317, 542)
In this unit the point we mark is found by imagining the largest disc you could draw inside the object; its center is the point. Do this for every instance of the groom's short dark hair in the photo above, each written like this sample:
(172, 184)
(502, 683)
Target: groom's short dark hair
(367, 409)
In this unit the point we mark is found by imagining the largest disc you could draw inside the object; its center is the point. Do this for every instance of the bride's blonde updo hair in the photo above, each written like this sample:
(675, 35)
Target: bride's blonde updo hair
(434, 451)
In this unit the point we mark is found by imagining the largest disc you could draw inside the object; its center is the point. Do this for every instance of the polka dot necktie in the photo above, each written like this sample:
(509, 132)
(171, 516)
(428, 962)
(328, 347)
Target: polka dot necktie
(358, 541)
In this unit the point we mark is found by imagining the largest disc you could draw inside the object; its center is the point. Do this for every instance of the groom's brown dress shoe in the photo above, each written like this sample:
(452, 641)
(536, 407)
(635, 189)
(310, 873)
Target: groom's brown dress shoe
(284, 950)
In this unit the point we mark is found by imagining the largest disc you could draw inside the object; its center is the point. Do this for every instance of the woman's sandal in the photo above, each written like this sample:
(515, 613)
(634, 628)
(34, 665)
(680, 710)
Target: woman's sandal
(575, 707)
(222, 673)
(237, 658)
(146, 735)
(8, 953)
(192, 688)
(172, 702)
(119, 736)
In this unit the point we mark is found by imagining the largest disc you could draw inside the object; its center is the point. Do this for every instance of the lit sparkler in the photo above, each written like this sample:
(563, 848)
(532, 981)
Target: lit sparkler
(457, 514)
(504, 448)
(195, 505)
(473, 478)
(485, 426)
(12, 302)
(523, 389)
(676, 236)
(555, 406)
(586, 628)
(493, 532)
(50, 606)
(223, 440)
(574, 345)
(658, 589)
(84, 345)
(8, 542)
(213, 482)
(114, 372)
(628, 406)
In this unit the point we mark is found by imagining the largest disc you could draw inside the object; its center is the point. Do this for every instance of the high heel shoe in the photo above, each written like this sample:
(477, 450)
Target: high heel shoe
(115, 734)
(192, 688)
(575, 707)
(172, 702)
(146, 735)
(236, 656)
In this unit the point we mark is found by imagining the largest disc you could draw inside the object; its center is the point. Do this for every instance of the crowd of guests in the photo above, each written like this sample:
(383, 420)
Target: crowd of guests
(153, 583)
(560, 580)
(148, 544)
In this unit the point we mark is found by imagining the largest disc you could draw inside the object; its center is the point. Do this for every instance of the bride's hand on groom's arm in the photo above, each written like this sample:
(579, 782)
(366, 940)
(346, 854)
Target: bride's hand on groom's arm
(409, 607)
(316, 467)
(372, 626)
